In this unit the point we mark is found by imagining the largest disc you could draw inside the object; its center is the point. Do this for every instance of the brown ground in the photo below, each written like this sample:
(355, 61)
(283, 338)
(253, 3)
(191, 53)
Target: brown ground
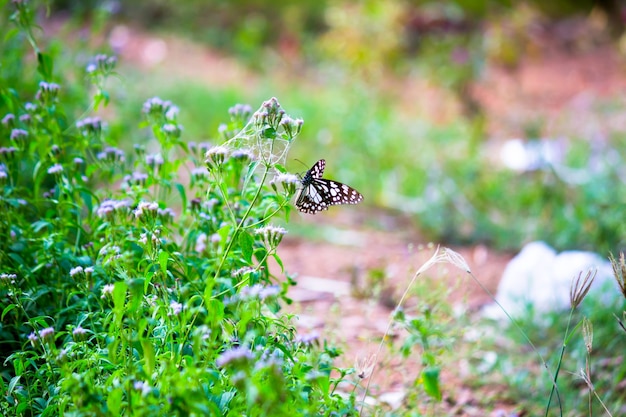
(558, 87)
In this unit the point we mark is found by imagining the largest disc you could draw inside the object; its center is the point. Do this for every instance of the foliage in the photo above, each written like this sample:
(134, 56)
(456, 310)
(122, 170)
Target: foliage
(136, 283)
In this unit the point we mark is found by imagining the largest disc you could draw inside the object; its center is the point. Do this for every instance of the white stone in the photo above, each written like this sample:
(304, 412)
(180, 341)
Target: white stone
(542, 278)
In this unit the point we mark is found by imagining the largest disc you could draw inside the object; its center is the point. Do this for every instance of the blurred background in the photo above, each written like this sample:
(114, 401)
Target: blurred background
(478, 121)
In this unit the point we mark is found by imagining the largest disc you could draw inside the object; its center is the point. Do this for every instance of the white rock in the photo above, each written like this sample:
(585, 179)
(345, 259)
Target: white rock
(542, 278)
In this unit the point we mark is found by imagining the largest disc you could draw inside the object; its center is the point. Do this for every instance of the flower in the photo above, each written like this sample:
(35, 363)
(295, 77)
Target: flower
(76, 271)
(201, 242)
(143, 387)
(258, 291)
(8, 120)
(90, 125)
(233, 356)
(289, 182)
(47, 92)
(47, 334)
(240, 112)
(79, 333)
(107, 290)
(146, 210)
(272, 235)
(55, 169)
(18, 134)
(109, 208)
(175, 308)
(215, 157)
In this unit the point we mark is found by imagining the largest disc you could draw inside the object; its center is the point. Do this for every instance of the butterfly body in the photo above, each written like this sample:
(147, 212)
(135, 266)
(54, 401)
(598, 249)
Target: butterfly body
(318, 194)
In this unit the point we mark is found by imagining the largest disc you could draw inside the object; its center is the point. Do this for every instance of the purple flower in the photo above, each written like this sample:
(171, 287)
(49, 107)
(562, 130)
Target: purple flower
(236, 355)
(76, 271)
(18, 134)
(55, 169)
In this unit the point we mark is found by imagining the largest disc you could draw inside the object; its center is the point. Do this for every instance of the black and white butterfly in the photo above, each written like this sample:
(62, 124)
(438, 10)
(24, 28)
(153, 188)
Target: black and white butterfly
(318, 194)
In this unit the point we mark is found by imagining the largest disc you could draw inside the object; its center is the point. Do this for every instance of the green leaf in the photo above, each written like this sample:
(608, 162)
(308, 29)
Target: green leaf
(163, 258)
(7, 310)
(246, 241)
(183, 195)
(430, 380)
(45, 66)
(279, 262)
(148, 356)
(114, 401)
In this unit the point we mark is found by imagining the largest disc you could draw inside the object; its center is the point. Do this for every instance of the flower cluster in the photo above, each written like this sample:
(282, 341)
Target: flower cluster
(90, 126)
(234, 356)
(291, 127)
(272, 235)
(270, 114)
(48, 92)
(258, 291)
(102, 64)
(240, 112)
(289, 183)
(109, 208)
(146, 211)
(111, 154)
(215, 157)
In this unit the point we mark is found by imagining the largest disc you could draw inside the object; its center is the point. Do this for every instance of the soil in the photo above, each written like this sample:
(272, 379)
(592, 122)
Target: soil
(557, 86)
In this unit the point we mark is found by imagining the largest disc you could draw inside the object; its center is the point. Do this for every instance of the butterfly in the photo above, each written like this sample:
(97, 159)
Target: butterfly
(318, 194)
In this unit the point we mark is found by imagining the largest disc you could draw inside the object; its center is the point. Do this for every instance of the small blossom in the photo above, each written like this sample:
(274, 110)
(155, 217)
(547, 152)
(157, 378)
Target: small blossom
(79, 333)
(172, 130)
(166, 215)
(143, 387)
(289, 182)
(272, 235)
(240, 112)
(172, 113)
(76, 271)
(291, 127)
(198, 174)
(258, 291)
(47, 92)
(25, 118)
(215, 157)
(243, 155)
(111, 154)
(136, 178)
(201, 242)
(33, 339)
(107, 290)
(30, 107)
(154, 161)
(8, 120)
(242, 271)
(10, 278)
(109, 208)
(55, 169)
(47, 334)
(18, 134)
(307, 338)
(234, 356)
(156, 107)
(146, 210)
(175, 308)
(7, 154)
(90, 125)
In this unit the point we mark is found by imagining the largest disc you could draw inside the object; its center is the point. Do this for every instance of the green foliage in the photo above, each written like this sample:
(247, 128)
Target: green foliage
(137, 282)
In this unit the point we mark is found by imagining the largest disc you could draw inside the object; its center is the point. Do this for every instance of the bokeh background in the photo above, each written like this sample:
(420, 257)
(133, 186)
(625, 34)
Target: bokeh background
(479, 121)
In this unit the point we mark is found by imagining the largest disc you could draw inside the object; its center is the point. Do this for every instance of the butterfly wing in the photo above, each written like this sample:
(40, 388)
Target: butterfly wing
(318, 194)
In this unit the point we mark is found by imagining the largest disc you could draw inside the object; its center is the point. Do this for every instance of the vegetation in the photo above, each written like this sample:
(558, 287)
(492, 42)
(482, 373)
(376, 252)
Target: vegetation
(137, 235)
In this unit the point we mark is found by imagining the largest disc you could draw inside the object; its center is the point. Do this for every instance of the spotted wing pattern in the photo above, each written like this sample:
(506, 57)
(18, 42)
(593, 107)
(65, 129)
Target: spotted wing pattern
(318, 194)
